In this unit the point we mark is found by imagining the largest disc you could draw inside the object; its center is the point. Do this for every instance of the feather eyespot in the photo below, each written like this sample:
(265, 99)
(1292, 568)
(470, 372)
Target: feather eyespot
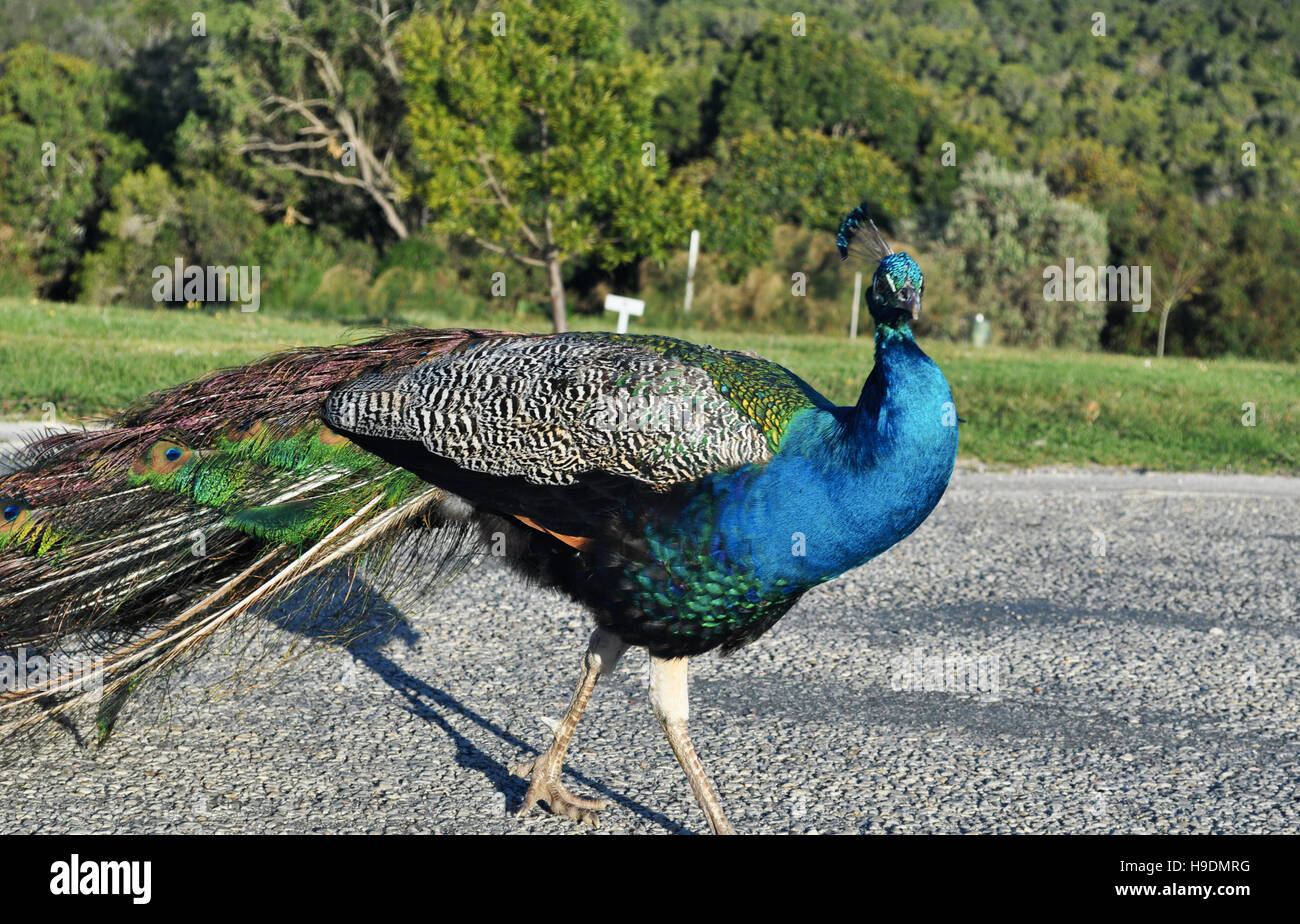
(15, 514)
(162, 458)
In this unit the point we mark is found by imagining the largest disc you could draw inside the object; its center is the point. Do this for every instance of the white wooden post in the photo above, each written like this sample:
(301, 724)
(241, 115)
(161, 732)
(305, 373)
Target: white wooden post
(857, 297)
(624, 306)
(690, 268)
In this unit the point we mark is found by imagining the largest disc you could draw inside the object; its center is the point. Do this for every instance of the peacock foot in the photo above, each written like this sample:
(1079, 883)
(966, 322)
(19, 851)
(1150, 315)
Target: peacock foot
(545, 786)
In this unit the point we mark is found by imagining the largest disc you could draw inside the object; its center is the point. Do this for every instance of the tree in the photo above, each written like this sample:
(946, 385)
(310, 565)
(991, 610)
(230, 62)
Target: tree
(1245, 303)
(58, 160)
(152, 221)
(98, 31)
(835, 84)
(1181, 253)
(1005, 229)
(532, 126)
(766, 177)
(313, 88)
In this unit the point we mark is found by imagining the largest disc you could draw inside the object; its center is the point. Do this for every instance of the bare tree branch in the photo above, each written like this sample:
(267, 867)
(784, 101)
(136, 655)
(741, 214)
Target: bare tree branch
(505, 251)
(265, 145)
(331, 175)
(383, 17)
(331, 118)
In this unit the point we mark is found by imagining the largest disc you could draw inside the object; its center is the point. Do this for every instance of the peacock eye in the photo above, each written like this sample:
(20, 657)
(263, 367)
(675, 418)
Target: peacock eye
(173, 454)
(11, 512)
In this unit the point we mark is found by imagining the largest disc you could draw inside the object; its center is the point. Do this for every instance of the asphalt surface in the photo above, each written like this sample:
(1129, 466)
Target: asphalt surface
(1123, 650)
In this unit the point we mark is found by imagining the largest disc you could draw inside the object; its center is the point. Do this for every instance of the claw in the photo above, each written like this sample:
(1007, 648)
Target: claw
(602, 654)
(546, 787)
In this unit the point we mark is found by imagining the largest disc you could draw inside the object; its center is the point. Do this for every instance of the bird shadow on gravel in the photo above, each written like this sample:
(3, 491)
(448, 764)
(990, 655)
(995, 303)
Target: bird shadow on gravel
(314, 614)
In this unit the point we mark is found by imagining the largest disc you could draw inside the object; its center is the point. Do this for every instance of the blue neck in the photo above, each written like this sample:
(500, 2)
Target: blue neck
(847, 483)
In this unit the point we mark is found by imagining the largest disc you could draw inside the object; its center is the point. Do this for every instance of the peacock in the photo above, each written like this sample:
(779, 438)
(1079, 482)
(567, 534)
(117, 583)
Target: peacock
(685, 495)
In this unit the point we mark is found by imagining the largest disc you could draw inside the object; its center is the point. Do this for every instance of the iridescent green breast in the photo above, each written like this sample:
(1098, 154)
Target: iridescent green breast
(678, 591)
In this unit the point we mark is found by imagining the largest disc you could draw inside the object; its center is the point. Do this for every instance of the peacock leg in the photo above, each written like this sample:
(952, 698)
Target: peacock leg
(668, 693)
(603, 653)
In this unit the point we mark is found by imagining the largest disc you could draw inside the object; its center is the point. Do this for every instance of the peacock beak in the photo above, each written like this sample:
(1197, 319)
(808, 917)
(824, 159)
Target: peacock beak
(911, 301)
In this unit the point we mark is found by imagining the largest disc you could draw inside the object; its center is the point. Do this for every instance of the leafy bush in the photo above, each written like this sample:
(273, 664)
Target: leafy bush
(293, 262)
(58, 159)
(140, 230)
(341, 294)
(1005, 228)
(152, 221)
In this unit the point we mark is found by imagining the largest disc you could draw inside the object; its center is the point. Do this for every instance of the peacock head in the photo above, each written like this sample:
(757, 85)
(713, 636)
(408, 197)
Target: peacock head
(896, 288)
(895, 294)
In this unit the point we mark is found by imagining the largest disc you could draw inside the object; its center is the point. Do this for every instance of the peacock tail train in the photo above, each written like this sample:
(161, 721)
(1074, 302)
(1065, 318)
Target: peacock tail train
(128, 549)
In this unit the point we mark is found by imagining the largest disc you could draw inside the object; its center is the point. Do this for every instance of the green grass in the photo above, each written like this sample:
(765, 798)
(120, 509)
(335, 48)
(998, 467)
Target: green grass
(1020, 407)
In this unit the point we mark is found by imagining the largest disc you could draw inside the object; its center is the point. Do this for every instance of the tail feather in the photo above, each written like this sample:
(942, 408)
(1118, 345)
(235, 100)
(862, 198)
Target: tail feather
(134, 546)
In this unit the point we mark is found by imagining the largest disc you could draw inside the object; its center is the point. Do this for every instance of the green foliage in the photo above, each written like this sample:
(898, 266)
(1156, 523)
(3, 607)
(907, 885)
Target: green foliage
(767, 177)
(57, 108)
(1177, 127)
(532, 143)
(141, 230)
(1004, 229)
(1240, 275)
(837, 85)
(97, 30)
(303, 104)
(1152, 113)
(435, 274)
(763, 297)
(1227, 272)
(154, 221)
(691, 40)
(1252, 311)
(294, 261)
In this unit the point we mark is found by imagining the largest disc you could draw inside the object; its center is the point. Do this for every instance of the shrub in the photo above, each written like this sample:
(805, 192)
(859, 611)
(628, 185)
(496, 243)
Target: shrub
(1005, 228)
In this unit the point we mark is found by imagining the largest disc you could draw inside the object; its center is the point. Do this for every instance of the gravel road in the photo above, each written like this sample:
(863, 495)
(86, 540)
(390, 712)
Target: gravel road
(1119, 653)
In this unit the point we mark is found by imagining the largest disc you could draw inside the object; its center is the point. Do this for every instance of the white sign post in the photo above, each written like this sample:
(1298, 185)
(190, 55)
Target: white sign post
(690, 268)
(857, 297)
(624, 306)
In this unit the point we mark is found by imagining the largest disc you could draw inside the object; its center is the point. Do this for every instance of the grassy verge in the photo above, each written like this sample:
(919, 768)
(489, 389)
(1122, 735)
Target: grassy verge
(1021, 407)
